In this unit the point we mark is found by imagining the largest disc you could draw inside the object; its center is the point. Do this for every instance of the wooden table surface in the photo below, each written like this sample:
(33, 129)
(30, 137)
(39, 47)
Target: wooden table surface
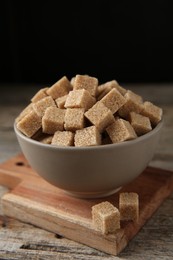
(24, 241)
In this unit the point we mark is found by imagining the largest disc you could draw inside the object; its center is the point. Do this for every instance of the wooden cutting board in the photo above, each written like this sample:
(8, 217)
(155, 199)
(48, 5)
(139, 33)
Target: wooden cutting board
(34, 201)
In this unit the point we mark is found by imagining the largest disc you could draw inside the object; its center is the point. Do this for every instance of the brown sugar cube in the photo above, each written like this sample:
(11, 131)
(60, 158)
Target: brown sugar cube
(41, 105)
(53, 120)
(45, 139)
(88, 136)
(153, 112)
(106, 217)
(103, 89)
(80, 98)
(72, 81)
(74, 119)
(129, 206)
(25, 111)
(60, 88)
(42, 137)
(120, 89)
(86, 82)
(100, 116)
(60, 102)
(63, 138)
(113, 100)
(121, 130)
(141, 124)
(29, 124)
(133, 102)
(39, 95)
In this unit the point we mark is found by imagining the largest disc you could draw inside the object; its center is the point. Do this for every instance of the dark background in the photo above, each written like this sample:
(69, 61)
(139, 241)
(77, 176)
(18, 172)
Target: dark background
(130, 41)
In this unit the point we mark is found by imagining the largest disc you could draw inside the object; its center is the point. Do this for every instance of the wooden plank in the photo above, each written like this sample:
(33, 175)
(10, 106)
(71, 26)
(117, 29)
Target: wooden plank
(34, 201)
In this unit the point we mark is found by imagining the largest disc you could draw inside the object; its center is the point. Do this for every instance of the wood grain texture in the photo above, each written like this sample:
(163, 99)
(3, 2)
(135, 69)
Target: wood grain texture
(19, 240)
(33, 200)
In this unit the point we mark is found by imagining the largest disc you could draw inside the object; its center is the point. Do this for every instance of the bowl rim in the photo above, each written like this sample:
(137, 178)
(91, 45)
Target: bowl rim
(141, 138)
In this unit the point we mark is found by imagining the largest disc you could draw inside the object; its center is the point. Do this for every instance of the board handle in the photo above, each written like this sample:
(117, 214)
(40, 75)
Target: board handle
(12, 172)
(9, 179)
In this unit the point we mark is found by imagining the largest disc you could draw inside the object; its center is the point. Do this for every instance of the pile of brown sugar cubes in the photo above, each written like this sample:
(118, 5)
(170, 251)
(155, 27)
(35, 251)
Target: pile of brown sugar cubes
(81, 113)
(107, 218)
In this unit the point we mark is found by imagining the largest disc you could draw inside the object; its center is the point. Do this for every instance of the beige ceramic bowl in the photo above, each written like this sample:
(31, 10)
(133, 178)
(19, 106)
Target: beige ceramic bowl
(91, 172)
